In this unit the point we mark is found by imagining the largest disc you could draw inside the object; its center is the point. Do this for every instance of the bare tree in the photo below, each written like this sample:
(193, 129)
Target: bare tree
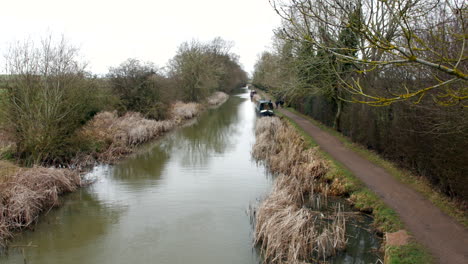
(48, 97)
(141, 87)
(425, 38)
(201, 68)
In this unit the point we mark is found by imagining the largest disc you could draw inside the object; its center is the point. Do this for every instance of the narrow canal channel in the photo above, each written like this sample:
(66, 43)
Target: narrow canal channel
(181, 200)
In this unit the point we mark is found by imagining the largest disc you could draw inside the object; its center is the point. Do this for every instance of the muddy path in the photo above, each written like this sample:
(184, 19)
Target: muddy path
(446, 239)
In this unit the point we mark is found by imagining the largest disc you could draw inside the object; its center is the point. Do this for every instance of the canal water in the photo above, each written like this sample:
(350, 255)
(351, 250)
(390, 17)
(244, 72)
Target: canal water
(182, 199)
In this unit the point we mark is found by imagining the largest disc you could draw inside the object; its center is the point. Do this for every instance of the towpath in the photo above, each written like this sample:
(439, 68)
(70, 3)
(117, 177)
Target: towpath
(446, 239)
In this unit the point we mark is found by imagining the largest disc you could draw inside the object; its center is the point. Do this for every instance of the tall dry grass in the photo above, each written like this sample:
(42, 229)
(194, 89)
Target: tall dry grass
(218, 98)
(7, 169)
(284, 151)
(28, 192)
(117, 136)
(286, 228)
(183, 111)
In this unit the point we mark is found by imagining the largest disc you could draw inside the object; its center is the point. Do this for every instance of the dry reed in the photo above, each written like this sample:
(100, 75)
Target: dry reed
(118, 136)
(7, 169)
(183, 111)
(121, 134)
(28, 192)
(286, 230)
(285, 152)
(218, 98)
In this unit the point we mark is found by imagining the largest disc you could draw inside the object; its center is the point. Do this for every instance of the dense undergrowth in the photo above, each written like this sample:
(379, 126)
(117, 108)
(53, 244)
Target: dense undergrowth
(288, 228)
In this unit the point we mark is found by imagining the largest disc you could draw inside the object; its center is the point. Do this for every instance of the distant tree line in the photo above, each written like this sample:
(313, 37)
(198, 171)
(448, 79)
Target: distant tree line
(391, 75)
(48, 94)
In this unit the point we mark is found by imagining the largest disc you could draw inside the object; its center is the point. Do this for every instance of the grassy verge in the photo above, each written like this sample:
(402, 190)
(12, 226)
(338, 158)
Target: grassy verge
(407, 254)
(385, 219)
(421, 185)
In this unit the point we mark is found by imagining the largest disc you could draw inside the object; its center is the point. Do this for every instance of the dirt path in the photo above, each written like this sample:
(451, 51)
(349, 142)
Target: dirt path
(446, 239)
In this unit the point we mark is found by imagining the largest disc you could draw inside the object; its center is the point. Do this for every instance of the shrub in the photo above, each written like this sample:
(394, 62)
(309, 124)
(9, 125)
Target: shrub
(140, 88)
(48, 96)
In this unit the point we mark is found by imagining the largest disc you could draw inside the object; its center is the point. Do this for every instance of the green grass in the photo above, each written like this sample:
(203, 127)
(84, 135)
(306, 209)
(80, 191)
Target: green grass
(385, 219)
(364, 199)
(421, 185)
(407, 254)
(7, 153)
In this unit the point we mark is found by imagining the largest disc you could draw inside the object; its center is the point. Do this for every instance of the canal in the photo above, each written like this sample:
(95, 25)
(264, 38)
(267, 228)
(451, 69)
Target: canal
(182, 199)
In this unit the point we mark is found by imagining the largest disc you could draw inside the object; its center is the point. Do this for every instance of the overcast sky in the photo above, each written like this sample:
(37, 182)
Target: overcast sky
(110, 31)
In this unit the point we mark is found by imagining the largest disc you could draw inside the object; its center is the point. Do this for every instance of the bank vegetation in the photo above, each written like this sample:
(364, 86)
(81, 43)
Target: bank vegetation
(289, 225)
(292, 224)
(57, 118)
(390, 75)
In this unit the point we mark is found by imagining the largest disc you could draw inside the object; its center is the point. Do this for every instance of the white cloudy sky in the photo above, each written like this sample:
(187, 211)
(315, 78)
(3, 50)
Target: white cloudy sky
(110, 31)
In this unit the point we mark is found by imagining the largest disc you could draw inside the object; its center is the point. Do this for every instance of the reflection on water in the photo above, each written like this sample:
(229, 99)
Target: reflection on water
(362, 247)
(362, 244)
(65, 230)
(214, 133)
(182, 200)
(143, 166)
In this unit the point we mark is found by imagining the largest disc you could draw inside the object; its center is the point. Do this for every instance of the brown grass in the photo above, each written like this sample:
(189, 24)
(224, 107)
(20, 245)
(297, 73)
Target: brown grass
(183, 111)
(284, 151)
(218, 98)
(119, 135)
(28, 192)
(133, 129)
(286, 228)
(7, 169)
(288, 232)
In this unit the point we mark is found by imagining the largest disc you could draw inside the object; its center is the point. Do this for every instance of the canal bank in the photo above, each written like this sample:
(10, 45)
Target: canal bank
(182, 199)
(399, 246)
(29, 192)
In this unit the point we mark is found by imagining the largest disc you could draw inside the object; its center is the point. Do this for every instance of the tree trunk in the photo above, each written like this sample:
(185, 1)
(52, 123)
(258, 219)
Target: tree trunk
(336, 122)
